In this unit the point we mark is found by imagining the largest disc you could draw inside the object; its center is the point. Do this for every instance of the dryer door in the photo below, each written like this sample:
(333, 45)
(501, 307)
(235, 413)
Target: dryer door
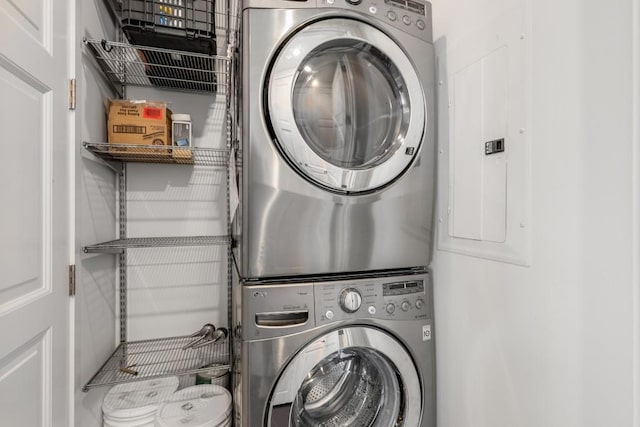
(356, 376)
(346, 106)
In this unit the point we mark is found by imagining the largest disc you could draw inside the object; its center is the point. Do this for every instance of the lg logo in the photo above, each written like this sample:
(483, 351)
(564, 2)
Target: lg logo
(426, 332)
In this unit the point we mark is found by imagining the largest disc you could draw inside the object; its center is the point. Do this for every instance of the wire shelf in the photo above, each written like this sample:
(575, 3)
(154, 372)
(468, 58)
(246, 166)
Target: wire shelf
(142, 360)
(120, 245)
(160, 154)
(132, 65)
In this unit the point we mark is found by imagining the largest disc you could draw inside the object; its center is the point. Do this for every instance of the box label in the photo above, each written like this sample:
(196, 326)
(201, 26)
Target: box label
(152, 113)
(129, 129)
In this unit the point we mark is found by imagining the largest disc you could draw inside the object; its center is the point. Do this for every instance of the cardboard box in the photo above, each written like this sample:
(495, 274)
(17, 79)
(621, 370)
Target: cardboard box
(140, 123)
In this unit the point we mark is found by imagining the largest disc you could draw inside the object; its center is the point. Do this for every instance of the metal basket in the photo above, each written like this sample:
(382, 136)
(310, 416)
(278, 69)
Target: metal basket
(343, 390)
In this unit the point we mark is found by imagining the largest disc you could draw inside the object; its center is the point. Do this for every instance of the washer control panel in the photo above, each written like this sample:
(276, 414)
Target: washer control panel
(387, 299)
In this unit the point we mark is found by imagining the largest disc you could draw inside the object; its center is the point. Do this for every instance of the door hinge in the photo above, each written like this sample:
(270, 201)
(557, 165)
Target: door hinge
(72, 280)
(72, 94)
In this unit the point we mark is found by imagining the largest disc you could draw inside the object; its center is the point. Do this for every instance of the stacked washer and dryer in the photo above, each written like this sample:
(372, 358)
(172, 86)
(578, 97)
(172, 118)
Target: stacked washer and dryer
(334, 314)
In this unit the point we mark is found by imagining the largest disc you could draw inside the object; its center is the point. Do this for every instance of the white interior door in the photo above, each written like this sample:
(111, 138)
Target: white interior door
(34, 212)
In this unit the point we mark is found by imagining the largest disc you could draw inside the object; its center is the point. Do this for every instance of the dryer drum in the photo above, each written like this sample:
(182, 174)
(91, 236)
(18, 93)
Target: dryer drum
(356, 387)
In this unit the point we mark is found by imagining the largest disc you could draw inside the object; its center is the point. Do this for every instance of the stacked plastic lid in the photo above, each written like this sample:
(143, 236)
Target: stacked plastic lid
(136, 404)
(204, 405)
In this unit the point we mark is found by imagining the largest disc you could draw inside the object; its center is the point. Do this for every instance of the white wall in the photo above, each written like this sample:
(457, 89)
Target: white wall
(174, 291)
(552, 344)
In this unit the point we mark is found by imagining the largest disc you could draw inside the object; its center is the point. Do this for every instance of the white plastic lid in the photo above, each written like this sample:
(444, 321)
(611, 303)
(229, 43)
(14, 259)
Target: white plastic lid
(124, 422)
(146, 423)
(118, 419)
(181, 117)
(136, 400)
(204, 405)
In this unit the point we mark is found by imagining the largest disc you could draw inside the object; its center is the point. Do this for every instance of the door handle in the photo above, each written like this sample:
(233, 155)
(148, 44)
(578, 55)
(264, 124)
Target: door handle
(316, 169)
(282, 319)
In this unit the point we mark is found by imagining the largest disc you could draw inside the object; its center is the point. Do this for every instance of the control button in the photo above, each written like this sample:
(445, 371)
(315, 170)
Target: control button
(372, 310)
(329, 314)
(350, 300)
(420, 24)
(354, 2)
(330, 1)
(392, 15)
(405, 306)
(406, 20)
(373, 9)
(390, 308)
(419, 304)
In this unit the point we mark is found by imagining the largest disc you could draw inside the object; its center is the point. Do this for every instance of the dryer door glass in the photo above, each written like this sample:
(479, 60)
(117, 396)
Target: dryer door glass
(350, 104)
(356, 376)
(346, 106)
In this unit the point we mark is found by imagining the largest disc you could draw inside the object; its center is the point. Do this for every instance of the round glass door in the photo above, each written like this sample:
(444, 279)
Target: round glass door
(347, 388)
(348, 106)
(356, 377)
(343, 112)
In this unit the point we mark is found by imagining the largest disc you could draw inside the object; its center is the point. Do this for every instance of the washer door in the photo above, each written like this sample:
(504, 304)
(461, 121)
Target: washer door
(357, 377)
(346, 106)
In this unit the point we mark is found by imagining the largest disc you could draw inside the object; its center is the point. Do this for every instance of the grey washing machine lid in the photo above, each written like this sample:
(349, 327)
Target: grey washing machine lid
(346, 105)
(358, 376)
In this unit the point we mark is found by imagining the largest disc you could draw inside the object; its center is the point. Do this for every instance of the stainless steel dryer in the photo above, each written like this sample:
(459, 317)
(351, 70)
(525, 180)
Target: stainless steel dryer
(356, 352)
(338, 136)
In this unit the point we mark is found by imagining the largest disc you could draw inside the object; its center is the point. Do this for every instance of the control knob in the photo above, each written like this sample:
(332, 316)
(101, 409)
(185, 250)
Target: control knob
(350, 300)
(405, 306)
(419, 304)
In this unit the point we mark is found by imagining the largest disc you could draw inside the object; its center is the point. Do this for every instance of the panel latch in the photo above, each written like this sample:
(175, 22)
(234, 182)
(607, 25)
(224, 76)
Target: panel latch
(493, 147)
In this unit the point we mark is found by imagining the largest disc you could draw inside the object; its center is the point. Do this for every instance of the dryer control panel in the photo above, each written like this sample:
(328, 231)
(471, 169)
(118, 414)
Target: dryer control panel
(386, 299)
(411, 16)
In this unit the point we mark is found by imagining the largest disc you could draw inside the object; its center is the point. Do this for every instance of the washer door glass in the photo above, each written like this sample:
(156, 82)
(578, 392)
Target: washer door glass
(347, 388)
(343, 112)
(357, 377)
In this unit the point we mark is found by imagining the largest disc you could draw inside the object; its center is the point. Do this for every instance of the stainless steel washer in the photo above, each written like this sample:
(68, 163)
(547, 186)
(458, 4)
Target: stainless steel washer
(338, 137)
(355, 352)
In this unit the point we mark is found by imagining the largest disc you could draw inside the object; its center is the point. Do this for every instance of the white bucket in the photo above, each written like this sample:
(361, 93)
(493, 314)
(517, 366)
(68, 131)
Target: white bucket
(136, 404)
(204, 405)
